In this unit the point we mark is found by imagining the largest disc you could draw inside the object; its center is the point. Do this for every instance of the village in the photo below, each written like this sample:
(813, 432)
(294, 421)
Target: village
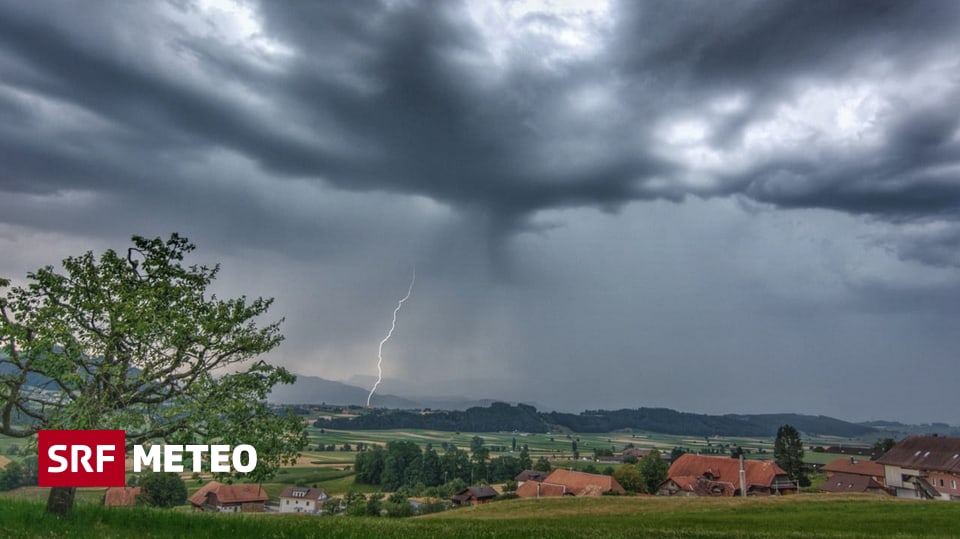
(918, 467)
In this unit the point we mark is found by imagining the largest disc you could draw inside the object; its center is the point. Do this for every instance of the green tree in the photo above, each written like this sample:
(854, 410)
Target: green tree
(11, 476)
(370, 465)
(504, 468)
(133, 342)
(455, 464)
(355, 503)
(542, 465)
(526, 463)
(430, 473)
(163, 490)
(475, 443)
(653, 471)
(882, 446)
(478, 465)
(375, 504)
(788, 454)
(629, 478)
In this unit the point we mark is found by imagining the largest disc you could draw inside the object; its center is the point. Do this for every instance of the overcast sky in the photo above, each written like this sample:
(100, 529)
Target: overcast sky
(712, 206)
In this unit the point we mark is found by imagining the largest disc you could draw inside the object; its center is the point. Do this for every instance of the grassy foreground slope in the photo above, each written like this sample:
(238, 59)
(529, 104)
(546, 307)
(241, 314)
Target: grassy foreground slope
(804, 516)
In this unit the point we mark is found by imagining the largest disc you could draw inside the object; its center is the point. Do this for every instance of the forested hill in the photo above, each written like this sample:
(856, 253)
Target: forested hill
(523, 418)
(497, 417)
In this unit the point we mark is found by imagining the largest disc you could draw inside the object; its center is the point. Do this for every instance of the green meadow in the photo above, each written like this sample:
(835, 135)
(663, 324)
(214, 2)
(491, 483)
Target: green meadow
(804, 516)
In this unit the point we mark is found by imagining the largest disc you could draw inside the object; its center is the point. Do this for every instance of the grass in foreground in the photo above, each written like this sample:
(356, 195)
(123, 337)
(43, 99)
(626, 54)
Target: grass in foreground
(815, 516)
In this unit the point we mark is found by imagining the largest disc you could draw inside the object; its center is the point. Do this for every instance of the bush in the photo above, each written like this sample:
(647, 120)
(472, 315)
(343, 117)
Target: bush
(163, 490)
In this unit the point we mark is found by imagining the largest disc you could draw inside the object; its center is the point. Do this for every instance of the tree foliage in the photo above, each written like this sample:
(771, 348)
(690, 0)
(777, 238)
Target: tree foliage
(884, 445)
(653, 471)
(135, 341)
(19, 474)
(788, 454)
(629, 478)
(523, 418)
(163, 489)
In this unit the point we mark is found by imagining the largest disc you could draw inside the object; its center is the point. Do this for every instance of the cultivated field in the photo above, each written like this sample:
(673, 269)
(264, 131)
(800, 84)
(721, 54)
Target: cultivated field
(333, 470)
(805, 516)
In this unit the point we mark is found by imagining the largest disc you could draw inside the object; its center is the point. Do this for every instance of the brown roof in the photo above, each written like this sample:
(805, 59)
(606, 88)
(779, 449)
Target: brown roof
(584, 484)
(537, 489)
(925, 453)
(3, 462)
(853, 466)
(121, 496)
(758, 472)
(481, 492)
(531, 475)
(228, 494)
(844, 482)
(308, 493)
(704, 487)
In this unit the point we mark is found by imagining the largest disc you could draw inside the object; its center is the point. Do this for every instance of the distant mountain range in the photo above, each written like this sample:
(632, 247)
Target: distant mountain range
(316, 390)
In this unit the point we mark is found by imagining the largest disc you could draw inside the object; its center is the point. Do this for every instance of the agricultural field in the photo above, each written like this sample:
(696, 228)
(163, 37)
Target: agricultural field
(813, 516)
(333, 470)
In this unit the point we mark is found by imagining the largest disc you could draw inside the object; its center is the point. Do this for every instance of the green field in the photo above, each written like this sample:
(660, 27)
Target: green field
(813, 516)
(333, 470)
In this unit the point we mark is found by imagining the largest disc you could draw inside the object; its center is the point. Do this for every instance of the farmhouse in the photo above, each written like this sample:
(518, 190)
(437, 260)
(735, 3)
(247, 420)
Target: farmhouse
(570, 483)
(530, 475)
(924, 467)
(121, 496)
(222, 498)
(700, 475)
(302, 500)
(477, 495)
(854, 475)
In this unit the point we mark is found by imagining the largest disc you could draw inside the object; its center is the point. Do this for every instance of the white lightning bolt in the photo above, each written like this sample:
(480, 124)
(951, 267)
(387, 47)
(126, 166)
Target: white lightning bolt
(393, 326)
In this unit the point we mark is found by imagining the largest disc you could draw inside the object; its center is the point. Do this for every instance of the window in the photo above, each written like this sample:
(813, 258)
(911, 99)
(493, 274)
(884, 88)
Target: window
(953, 484)
(941, 482)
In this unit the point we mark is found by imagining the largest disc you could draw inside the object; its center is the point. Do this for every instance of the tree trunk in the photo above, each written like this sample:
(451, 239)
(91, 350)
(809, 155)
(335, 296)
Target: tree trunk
(60, 501)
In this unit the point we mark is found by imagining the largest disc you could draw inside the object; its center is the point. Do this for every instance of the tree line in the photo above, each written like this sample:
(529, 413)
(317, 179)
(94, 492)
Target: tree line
(500, 417)
(404, 464)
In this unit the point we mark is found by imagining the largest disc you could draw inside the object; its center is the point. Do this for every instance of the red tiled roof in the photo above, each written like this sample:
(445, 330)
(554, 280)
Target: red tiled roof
(121, 496)
(584, 484)
(226, 494)
(537, 489)
(704, 487)
(925, 453)
(758, 472)
(847, 465)
(844, 482)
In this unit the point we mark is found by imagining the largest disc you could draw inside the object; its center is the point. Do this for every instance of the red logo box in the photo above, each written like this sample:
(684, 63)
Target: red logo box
(81, 458)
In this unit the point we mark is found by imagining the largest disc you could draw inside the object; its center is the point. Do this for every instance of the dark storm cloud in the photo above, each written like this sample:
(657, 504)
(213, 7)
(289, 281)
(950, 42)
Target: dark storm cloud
(396, 98)
(318, 146)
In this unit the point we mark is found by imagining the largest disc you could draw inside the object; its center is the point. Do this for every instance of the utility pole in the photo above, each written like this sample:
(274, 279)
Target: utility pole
(743, 478)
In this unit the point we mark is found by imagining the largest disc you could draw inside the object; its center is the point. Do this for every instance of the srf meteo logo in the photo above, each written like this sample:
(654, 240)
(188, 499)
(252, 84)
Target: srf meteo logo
(96, 458)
